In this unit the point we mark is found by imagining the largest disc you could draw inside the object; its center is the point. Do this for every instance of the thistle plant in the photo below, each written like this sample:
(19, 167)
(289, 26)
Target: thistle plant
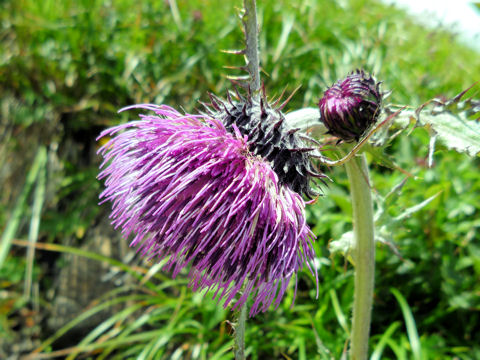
(223, 193)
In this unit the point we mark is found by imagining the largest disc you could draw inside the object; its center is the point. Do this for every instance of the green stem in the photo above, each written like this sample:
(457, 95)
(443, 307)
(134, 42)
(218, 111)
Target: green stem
(363, 255)
(240, 334)
(251, 39)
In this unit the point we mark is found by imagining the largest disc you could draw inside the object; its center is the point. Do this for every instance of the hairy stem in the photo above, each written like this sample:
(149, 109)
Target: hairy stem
(251, 36)
(363, 255)
(240, 334)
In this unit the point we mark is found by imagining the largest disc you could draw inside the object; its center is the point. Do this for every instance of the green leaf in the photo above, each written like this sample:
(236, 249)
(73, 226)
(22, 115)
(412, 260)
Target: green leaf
(455, 131)
(447, 121)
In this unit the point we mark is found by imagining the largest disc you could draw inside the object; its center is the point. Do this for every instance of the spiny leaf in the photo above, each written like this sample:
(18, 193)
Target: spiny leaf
(449, 121)
(455, 131)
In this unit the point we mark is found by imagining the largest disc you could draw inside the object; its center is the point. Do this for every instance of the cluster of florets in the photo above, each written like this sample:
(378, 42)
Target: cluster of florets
(350, 106)
(220, 192)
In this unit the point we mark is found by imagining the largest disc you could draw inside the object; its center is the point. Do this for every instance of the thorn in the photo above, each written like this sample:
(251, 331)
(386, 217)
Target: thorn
(233, 67)
(277, 101)
(215, 101)
(238, 78)
(244, 109)
(214, 98)
(314, 173)
(264, 72)
(289, 98)
(293, 131)
(234, 52)
(236, 84)
(262, 106)
(226, 109)
(239, 81)
(459, 96)
(278, 123)
(229, 98)
(308, 138)
(206, 106)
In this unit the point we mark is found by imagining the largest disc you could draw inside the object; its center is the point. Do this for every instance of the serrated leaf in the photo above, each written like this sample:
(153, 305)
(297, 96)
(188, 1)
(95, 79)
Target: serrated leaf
(455, 131)
(448, 122)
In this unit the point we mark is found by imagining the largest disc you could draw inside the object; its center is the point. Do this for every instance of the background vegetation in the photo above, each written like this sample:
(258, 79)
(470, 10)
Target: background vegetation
(66, 67)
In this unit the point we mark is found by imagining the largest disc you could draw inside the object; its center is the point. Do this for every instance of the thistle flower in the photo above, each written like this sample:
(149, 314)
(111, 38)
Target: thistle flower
(196, 190)
(350, 106)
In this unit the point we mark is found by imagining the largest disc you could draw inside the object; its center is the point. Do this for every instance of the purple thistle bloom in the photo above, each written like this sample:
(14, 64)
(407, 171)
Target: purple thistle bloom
(351, 105)
(191, 191)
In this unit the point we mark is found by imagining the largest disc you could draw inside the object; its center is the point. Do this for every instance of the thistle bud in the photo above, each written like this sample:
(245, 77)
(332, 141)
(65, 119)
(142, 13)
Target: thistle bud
(351, 105)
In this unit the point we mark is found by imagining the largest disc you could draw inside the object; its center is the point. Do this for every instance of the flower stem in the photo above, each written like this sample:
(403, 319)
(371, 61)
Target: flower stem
(240, 334)
(363, 255)
(251, 39)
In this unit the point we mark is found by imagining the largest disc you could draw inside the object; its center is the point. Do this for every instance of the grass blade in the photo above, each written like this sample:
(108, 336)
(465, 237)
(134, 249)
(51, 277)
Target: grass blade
(342, 320)
(287, 25)
(136, 271)
(14, 221)
(410, 324)
(377, 353)
(38, 200)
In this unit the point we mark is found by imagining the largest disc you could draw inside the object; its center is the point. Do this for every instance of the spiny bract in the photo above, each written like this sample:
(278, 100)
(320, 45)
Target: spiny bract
(269, 137)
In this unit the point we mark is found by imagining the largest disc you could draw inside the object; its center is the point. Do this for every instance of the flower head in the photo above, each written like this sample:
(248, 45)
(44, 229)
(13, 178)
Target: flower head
(350, 106)
(189, 188)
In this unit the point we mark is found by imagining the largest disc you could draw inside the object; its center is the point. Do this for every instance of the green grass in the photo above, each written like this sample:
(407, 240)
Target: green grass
(67, 67)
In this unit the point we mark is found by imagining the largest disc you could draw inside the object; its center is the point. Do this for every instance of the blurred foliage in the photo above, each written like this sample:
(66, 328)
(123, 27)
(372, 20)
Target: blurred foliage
(66, 68)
